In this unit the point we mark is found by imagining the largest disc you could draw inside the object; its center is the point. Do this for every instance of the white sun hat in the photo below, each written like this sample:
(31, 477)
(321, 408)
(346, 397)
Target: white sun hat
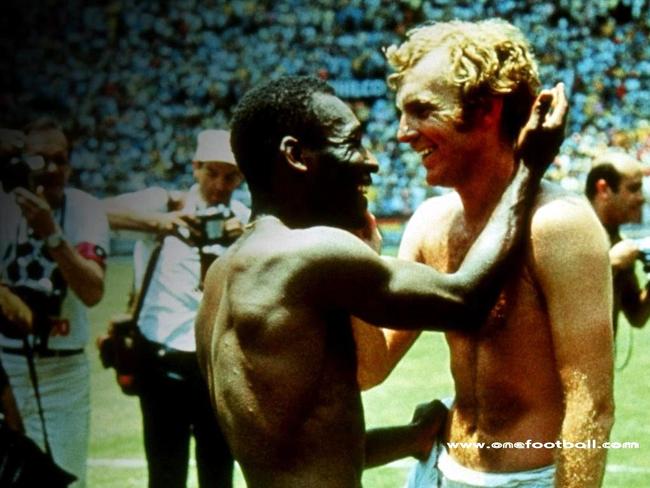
(213, 145)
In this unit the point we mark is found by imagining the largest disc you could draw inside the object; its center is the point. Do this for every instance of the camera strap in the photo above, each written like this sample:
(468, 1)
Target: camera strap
(146, 280)
(29, 354)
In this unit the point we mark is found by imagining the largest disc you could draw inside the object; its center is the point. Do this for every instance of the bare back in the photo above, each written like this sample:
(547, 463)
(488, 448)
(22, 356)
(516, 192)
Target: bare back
(509, 385)
(281, 371)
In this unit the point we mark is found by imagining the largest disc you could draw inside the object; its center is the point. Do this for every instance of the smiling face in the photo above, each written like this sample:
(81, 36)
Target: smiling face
(431, 121)
(339, 165)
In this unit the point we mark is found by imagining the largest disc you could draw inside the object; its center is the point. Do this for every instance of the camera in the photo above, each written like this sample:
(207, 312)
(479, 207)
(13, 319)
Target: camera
(21, 172)
(213, 226)
(46, 309)
(119, 349)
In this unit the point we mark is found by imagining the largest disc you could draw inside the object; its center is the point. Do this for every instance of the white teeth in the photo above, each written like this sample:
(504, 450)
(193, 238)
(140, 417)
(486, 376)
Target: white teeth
(425, 152)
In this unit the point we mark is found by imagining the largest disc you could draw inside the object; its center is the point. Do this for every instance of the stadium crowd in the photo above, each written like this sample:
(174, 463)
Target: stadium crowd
(135, 81)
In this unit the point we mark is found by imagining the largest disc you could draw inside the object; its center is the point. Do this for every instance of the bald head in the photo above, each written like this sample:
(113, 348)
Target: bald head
(615, 188)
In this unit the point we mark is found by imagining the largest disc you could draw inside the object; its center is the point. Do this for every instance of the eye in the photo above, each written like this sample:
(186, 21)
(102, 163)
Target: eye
(420, 110)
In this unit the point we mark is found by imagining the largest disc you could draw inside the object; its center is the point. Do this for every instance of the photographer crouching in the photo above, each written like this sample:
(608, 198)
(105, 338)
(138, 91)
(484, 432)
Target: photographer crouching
(615, 189)
(52, 249)
(194, 228)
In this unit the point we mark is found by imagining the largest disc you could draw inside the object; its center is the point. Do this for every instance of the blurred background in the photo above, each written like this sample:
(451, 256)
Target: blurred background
(135, 81)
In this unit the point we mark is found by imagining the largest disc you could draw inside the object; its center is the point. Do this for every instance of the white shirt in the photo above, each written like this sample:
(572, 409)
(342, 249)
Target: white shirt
(84, 222)
(173, 297)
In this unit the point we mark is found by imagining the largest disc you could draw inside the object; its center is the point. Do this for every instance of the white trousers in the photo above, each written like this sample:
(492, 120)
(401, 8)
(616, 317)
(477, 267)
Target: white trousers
(64, 386)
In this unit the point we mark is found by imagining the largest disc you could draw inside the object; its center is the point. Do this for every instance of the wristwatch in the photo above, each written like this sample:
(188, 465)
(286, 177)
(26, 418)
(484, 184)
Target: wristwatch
(54, 240)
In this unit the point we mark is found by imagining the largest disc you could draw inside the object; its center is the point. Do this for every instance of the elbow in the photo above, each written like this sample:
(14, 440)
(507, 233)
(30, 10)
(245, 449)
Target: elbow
(605, 414)
(368, 378)
(92, 295)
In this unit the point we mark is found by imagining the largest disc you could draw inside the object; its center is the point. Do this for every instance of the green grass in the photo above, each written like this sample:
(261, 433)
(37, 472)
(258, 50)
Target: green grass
(117, 456)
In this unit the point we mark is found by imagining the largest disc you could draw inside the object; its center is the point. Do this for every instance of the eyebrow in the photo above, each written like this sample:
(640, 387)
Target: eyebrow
(417, 99)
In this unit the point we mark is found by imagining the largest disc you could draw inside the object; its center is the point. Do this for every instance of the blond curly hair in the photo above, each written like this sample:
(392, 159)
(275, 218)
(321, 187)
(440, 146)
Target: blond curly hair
(488, 58)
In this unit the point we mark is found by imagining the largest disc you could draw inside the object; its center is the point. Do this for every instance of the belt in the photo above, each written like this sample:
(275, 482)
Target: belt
(47, 353)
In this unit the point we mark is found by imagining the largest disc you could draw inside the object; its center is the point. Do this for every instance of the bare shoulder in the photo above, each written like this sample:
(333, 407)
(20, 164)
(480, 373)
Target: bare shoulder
(558, 210)
(427, 224)
(565, 222)
(436, 208)
(314, 242)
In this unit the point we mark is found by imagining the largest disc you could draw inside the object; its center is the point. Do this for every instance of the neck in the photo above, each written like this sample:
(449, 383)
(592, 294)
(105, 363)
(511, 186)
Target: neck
(290, 215)
(481, 190)
(611, 225)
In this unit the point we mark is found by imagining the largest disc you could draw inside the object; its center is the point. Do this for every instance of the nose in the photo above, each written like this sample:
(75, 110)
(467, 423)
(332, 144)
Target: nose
(405, 132)
(219, 183)
(370, 162)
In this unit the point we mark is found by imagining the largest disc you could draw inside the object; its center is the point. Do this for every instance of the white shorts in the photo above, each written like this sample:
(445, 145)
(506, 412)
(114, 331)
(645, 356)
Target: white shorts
(440, 470)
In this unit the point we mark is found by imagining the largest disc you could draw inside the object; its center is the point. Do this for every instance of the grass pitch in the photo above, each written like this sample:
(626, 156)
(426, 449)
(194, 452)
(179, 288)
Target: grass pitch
(116, 458)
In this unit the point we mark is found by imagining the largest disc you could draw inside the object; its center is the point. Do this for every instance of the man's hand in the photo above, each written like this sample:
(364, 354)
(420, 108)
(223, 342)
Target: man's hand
(170, 222)
(233, 227)
(540, 139)
(17, 315)
(429, 418)
(623, 254)
(36, 211)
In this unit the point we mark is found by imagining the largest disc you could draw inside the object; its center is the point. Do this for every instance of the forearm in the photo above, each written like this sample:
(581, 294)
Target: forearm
(120, 219)
(583, 468)
(484, 265)
(372, 354)
(387, 444)
(84, 277)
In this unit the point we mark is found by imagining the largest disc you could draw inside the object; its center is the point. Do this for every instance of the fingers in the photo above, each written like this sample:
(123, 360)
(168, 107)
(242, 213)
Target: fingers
(30, 202)
(559, 108)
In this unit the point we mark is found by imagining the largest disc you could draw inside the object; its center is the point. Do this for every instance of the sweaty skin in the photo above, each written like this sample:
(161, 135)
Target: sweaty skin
(275, 343)
(274, 338)
(542, 345)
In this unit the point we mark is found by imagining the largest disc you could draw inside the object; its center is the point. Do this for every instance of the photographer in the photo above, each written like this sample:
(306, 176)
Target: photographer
(615, 189)
(52, 245)
(174, 399)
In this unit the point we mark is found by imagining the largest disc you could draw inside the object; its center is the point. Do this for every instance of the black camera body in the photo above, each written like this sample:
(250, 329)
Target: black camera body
(212, 226)
(116, 349)
(120, 349)
(46, 310)
(21, 172)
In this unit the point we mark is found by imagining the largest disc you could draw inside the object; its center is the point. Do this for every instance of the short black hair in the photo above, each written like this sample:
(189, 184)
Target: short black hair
(267, 113)
(605, 171)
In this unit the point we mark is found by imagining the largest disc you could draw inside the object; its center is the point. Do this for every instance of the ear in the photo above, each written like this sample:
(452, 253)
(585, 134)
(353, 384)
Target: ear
(602, 188)
(196, 166)
(290, 149)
